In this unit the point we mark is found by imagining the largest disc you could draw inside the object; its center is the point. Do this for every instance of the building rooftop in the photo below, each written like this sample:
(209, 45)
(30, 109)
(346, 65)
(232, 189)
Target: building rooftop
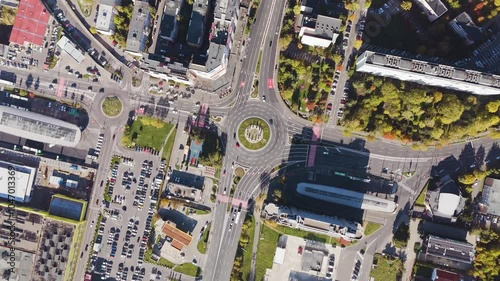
(104, 20)
(442, 275)
(168, 25)
(187, 179)
(346, 197)
(465, 28)
(66, 45)
(490, 200)
(446, 200)
(30, 23)
(432, 8)
(138, 28)
(33, 126)
(425, 72)
(453, 250)
(196, 27)
(25, 177)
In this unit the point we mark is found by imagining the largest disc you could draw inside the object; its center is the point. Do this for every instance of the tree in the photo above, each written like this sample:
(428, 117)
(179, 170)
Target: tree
(450, 109)
(337, 58)
(492, 106)
(285, 41)
(357, 44)
(353, 6)
(277, 194)
(467, 179)
(486, 257)
(92, 30)
(8, 15)
(406, 5)
(296, 9)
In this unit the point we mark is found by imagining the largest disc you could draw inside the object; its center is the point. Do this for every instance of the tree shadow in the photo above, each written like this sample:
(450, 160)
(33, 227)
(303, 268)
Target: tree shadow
(467, 157)
(37, 83)
(29, 81)
(480, 156)
(493, 156)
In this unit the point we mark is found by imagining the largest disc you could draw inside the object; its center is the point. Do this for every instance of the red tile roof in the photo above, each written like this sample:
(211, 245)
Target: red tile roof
(446, 276)
(30, 23)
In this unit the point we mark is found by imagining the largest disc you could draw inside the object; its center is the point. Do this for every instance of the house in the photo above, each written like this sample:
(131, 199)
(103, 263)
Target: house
(490, 200)
(432, 9)
(465, 28)
(104, 22)
(446, 252)
(196, 29)
(138, 29)
(443, 275)
(318, 31)
(185, 185)
(428, 72)
(446, 201)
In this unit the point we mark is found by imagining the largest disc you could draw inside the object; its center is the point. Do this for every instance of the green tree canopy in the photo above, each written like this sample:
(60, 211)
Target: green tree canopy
(450, 109)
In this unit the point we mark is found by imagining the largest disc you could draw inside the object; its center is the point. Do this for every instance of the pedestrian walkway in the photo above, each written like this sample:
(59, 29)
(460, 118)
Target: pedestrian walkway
(409, 251)
(312, 151)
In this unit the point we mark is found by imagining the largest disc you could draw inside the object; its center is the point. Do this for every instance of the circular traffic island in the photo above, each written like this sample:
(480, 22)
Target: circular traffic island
(112, 106)
(254, 133)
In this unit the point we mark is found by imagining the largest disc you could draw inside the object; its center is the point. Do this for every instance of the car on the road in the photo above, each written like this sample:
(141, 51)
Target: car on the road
(299, 250)
(224, 173)
(237, 144)
(225, 188)
(264, 98)
(73, 85)
(89, 88)
(51, 87)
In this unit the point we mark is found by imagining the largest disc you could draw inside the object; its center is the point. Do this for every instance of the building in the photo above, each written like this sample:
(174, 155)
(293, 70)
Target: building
(432, 9)
(196, 29)
(490, 200)
(24, 179)
(66, 207)
(64, 179)
(30, 23)
(138, 29)
(446, 252)
(443, 275)
(185, 185)
(213, 64)
(446, 201)
(464, 27)
(179, 227)
(486, 56)
(168, 25)
(10, 3)
(104, 22)
(428, 73)
(37, 127)
(346, 197)
(308, 6)
(318, 31)
(166, 68)
(295, 218)
(66, 45)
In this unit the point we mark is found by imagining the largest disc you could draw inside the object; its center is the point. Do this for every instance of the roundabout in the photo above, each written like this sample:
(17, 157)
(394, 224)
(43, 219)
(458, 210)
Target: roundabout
(111, 106)
(254, 133)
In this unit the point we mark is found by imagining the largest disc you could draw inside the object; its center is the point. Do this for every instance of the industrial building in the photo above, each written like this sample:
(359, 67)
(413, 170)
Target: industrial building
(37, 127)
(346, 197)
(66, 45)
(24, 179)
(428, 73)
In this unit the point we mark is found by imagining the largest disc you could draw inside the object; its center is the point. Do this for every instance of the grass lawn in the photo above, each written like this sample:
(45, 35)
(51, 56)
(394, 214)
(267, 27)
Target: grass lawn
(85, 6)
(301, 233)
(202, 244)
(162, 261)
(421, 198)
(265, 251)
(266, 131)
(386, 269)
(169, 145)
(371, 227)
(149, 132)
(247, 255)
(239, 172)
(112, 106)
(187, 268)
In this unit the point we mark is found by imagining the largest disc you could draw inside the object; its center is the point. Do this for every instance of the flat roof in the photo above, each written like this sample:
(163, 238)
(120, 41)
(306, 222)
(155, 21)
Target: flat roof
(491, 196)
(37, 127)
(454, 250)
(138, 28)
(104, 17)
(30, 23)
(346, 197)
(24, 178)
(66, 45)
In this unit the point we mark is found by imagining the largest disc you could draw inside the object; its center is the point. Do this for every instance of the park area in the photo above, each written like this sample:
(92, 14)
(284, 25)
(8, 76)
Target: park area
(254, 133)
(112, 106)
(146, 132)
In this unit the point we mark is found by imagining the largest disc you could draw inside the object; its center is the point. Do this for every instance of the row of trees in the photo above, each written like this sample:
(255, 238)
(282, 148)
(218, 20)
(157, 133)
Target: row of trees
(487, 256)
(237, 272)
(409, 112)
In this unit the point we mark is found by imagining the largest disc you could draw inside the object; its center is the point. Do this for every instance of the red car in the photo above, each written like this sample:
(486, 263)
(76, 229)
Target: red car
(300, 250)
(342, 101)
(224, 173)
(329, 107)
(237, 144)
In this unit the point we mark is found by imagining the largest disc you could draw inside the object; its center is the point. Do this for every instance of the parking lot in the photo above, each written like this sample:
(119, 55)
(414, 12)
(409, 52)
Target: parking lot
(124, 231)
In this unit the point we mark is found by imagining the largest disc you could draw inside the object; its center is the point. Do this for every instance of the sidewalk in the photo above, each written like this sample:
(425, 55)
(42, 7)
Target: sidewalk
(410, 253)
